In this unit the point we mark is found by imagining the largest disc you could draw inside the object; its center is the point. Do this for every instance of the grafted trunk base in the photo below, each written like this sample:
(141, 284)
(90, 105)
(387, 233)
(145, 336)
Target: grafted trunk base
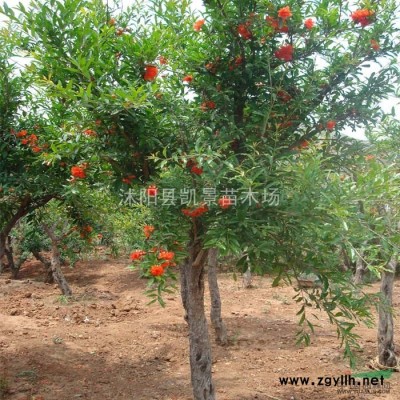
(192, 291)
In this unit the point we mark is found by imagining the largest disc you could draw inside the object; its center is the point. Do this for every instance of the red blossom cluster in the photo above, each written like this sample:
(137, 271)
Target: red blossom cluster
(225, 202)
(30, 140)
(277, 25)
(187, 78)
(207, 105)
(152, 191)
(137, 255)
(85, 231)
(196, 212)
(362, 16)
(78, 172)
(284, 96)
(157, 270)
(128, 179)
(304, 144)
(330, 125)
(244, 32)
(150, 72)
(285, 53)
(166, 255)
(198, 24)
(375, 45)
(309, 23)
(90, 132)
(148, 230)
(285, 12)
(194, 168)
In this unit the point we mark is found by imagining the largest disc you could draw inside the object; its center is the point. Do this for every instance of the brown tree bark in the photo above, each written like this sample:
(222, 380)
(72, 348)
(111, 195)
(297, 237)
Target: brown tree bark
(55, 262)
(184, 287)
(386, 350)
(2, 251)
(360, 270)
(13, 264)
(47, 264)
(199, 340)
(217, 322)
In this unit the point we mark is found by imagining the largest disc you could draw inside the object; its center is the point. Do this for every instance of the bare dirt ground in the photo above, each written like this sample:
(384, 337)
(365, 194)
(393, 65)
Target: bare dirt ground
(108, 344)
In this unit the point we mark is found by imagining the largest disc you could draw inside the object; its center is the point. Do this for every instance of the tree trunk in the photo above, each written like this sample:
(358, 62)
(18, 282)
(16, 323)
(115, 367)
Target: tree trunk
(360, 270)
(215, 313)
(184, 288)
(2, 251)
(386, 354)
(10, 259)
(199, 341)
(247, 279)
(58, 275)
(47, 264)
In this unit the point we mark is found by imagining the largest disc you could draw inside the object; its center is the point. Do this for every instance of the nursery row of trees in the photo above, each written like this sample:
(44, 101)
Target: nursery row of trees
(246, 102)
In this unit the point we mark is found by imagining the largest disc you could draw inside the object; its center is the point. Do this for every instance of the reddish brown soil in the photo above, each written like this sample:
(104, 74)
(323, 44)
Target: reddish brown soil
(108, 344)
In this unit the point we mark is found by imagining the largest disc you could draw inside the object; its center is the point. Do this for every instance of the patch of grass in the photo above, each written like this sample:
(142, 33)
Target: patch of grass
(63, 299)
(281, 298)
(233, 339)
(31, 375)
(4, 387)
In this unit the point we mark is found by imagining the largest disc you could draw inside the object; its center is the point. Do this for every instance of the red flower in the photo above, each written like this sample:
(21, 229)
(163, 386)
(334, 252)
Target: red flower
(309, 23)
(32, 139)
(156, 270)
(25, 141)
(87, 228)
(152, 191)
(211, 67)
(362, 17)
(272, 22)
(188, 78)
(150, 72)
(89, 132)
(78, 172)
(244, 32)
(330, 125)
(238, 60)
(304, 144)
(148, 230)
(162, 60)
(166, 264)
(137, 255)
(36, 149)
(284, 96)
(207, 105)
(196, 170)
(375, 45)
(285, 12)
(285, 53)
(21, 134)
(166, 255)
(196, 212)
(198, 24)
(225, 202)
